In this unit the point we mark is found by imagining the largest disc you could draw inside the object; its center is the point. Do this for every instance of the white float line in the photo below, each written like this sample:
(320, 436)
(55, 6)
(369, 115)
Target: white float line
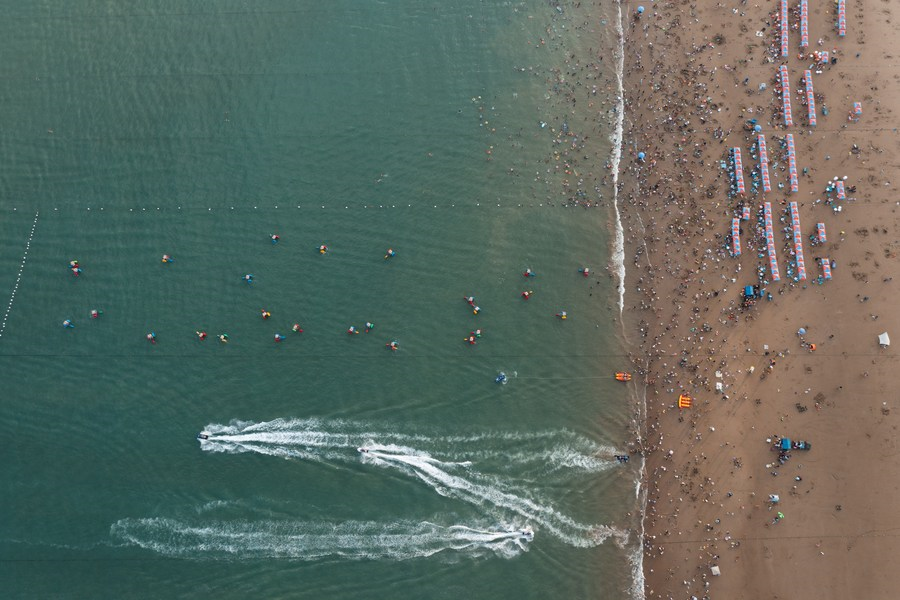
(346, 207)
(15, 289)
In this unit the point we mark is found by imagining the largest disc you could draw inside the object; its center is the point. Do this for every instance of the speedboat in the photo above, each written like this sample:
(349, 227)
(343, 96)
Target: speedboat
(501, 378)
(203, 435)
(527, 532)
(362, 450)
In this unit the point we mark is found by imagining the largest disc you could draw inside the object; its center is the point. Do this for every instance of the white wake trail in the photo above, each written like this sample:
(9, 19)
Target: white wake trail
(299, 540)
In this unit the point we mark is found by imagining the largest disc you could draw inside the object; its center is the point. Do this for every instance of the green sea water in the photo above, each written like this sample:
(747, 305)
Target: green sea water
(198, 129)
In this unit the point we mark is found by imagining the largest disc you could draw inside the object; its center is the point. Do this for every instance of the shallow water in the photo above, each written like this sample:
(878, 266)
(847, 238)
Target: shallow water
(197, 131)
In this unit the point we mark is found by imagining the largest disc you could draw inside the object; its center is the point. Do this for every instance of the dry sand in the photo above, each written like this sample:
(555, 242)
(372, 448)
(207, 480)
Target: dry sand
(710, 469)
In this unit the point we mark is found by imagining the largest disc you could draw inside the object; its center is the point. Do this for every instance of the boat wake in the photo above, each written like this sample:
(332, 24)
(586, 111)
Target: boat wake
(437, 461)
(298, 540)
(534, 455)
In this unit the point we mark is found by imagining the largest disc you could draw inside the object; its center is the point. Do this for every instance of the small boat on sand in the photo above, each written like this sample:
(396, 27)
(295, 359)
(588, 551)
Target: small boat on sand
(623, 376)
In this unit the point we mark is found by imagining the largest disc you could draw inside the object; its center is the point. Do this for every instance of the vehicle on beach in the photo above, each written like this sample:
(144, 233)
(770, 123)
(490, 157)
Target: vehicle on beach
(787, 444)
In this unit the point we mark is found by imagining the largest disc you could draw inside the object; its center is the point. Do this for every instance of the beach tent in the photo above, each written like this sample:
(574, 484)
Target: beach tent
(884, 340)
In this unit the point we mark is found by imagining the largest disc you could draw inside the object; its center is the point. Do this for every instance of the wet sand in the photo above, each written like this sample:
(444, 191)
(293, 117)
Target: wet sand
(692, 81)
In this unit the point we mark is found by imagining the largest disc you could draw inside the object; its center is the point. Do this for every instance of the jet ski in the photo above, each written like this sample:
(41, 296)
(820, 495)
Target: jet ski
(501, 378)
(527, 532)
(362, 450)
(203, 435)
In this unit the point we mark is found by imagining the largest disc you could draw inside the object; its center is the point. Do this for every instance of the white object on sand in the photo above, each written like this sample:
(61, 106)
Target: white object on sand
(715, 570)
(884, 339)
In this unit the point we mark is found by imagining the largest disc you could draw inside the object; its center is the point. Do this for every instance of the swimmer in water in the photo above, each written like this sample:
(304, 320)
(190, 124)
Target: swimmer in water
(201, 335)
(223, 337)
(393, 345)
(477, 333)
(471, 340)
(68, 324)
(279, 337)
(296, 328)
(323, 249)
(167, 259)
(96, 313)
(151, 337)
(585, 271)
(528, 273)
(248, 278)
(76, 270)
(275, 237)
(476, 310)
(265, 314)
(470, 300)
(369, 326)
(562, 315)
(352, 330)
(389, 254)
(527, 295)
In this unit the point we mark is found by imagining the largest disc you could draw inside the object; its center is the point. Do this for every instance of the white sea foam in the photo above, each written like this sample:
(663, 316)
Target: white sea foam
(542, 453)
(617, 139)
(492, 495)
(300, 540)
(472, 468)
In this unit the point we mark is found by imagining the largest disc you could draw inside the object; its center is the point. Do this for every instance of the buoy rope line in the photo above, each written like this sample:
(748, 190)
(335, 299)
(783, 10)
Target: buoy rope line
(557, 204)
(12, 297)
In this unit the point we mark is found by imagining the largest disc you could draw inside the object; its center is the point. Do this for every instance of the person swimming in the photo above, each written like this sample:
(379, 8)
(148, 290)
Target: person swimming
(96, 313)
(470, 300)
(389, 254)
(323, 249)
(562, 315)
(353, 330)
(476, 310)
(393, 345)
(279, 337)
(369, 326)
(526, 295)
(471, 339)
(68, 324)
(223, 337)
(151, 337)
(477, 333)
(265, 314)
(275, 237)
(167, 259)
(529, 273)
(201, 335)
(585, 271)
(296, 328)
(248, 277)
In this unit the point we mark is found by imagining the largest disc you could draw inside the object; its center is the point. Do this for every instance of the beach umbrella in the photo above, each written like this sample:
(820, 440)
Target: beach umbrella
(801, 331)
(883, 339)
(757, 128)
(640, 10)
(641, 155)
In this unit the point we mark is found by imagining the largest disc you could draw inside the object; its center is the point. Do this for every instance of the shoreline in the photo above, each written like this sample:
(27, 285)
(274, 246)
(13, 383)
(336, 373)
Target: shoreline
(708, 471)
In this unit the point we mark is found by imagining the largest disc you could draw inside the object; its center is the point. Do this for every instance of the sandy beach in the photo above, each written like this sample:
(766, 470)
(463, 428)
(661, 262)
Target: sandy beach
(695, 75)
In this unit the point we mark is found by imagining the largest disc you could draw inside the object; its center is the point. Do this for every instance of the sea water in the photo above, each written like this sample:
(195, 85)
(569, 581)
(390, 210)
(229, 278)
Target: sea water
(199, 129)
